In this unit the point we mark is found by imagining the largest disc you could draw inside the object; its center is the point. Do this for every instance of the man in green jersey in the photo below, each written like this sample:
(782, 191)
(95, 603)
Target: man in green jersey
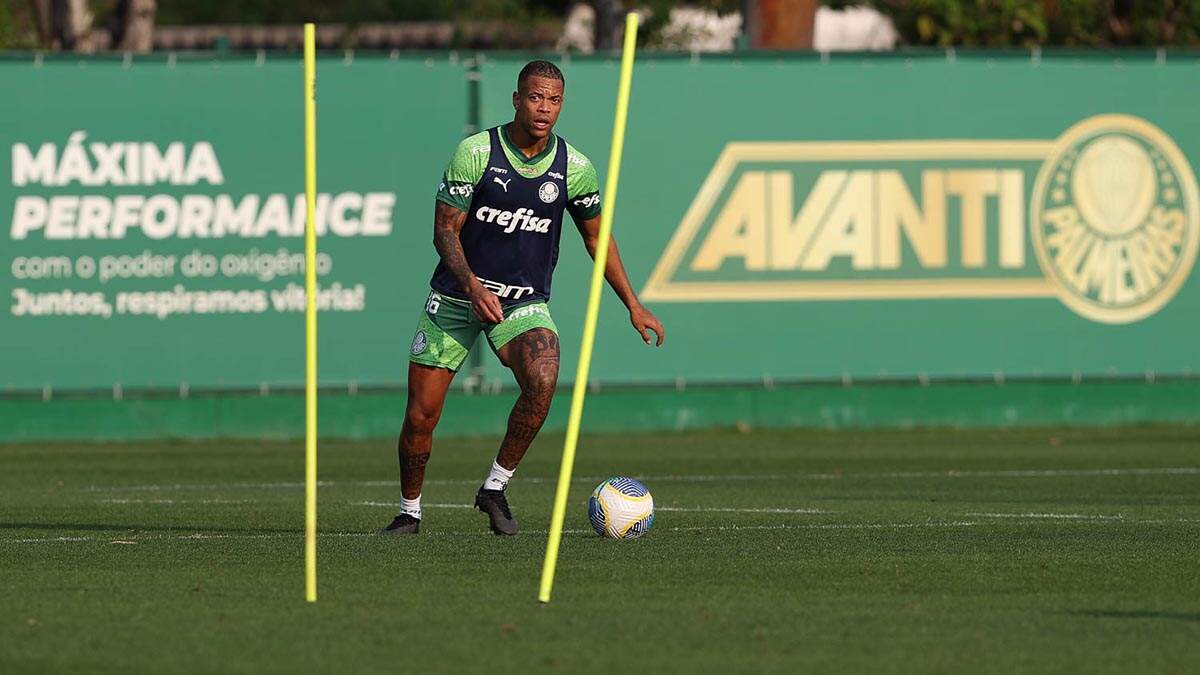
(497, 221)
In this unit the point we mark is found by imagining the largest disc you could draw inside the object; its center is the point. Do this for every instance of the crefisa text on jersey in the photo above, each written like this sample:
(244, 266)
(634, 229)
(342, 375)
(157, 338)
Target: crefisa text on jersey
(523, 218)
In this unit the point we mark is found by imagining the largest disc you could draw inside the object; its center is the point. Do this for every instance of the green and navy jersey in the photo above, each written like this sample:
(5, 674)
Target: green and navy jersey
(514, 208)
(470, 161)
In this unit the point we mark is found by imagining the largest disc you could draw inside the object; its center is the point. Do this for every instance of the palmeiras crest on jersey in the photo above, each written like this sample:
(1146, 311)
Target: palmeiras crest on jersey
(548, 192)
(419, 343)
(1115, 218)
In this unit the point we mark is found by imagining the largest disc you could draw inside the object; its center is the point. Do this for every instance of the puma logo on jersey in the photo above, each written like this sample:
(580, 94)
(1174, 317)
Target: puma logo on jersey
(503, 183)
(523, 219)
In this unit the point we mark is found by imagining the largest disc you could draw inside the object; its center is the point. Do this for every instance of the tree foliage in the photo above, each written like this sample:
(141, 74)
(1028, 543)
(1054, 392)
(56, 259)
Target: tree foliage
(1069, 23)
(943, 23)
(18, 26)
(351, 11)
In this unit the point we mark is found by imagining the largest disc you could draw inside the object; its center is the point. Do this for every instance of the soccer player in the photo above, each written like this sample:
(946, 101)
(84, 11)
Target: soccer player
(497, 220)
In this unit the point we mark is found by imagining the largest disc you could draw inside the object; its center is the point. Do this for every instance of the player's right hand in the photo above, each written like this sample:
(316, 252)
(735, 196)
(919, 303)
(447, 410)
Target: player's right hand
(486, 305)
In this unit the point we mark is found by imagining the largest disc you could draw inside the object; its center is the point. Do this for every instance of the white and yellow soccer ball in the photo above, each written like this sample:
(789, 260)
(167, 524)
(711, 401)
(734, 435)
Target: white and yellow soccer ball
(621, 508)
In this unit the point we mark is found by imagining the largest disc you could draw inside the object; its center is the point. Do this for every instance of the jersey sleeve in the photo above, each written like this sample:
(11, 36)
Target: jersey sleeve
(583, 186)
(463, 172)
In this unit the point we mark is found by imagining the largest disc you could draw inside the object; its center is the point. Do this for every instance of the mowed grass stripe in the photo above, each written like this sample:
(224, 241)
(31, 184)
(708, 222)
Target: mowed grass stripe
(1075, 519)
(897, 577)
(950, 473)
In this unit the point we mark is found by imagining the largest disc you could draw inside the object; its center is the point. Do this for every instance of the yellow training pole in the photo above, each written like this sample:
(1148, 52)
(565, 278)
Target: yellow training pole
(310, 315)
(593, 310)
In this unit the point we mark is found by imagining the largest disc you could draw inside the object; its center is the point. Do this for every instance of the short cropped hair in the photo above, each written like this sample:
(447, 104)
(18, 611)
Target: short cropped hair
(541, 69)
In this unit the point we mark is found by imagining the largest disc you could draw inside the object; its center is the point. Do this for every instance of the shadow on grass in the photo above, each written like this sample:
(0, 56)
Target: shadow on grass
(127, 527)
(1135, 614)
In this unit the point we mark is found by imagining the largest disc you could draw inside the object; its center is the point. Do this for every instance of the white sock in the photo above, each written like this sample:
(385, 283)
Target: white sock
(411, 506)
(498, 478)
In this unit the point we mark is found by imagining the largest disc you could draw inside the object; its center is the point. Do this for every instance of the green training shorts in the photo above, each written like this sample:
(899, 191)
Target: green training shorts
(448, 327)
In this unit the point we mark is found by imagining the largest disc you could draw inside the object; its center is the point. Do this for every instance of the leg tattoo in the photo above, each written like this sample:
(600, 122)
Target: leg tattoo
(412, 470)
(416, 441)
(535, 363)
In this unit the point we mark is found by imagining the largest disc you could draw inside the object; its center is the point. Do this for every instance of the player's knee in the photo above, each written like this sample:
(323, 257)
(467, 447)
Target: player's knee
(420, 421)
(541, 382)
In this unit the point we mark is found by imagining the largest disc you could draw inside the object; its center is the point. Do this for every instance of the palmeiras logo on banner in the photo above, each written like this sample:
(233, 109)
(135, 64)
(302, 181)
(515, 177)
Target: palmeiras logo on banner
(1112, 220)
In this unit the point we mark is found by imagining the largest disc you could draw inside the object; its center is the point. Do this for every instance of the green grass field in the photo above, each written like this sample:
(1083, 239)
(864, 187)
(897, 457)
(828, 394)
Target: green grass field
(933, 551)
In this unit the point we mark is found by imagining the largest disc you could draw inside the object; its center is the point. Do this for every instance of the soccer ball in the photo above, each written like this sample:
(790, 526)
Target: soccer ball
(621, 508)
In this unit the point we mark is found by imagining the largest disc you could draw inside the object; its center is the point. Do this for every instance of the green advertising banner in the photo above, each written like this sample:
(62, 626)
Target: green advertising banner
(155, 218)
(787, 218)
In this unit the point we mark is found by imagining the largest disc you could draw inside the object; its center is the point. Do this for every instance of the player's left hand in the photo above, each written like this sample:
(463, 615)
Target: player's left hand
(644, 321)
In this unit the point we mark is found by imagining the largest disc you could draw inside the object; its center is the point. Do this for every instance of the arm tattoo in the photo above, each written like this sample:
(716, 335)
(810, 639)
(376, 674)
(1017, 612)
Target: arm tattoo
(447, 224)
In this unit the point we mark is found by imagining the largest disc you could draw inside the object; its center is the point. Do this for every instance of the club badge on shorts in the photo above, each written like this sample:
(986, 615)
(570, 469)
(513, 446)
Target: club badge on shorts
(419, 343)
